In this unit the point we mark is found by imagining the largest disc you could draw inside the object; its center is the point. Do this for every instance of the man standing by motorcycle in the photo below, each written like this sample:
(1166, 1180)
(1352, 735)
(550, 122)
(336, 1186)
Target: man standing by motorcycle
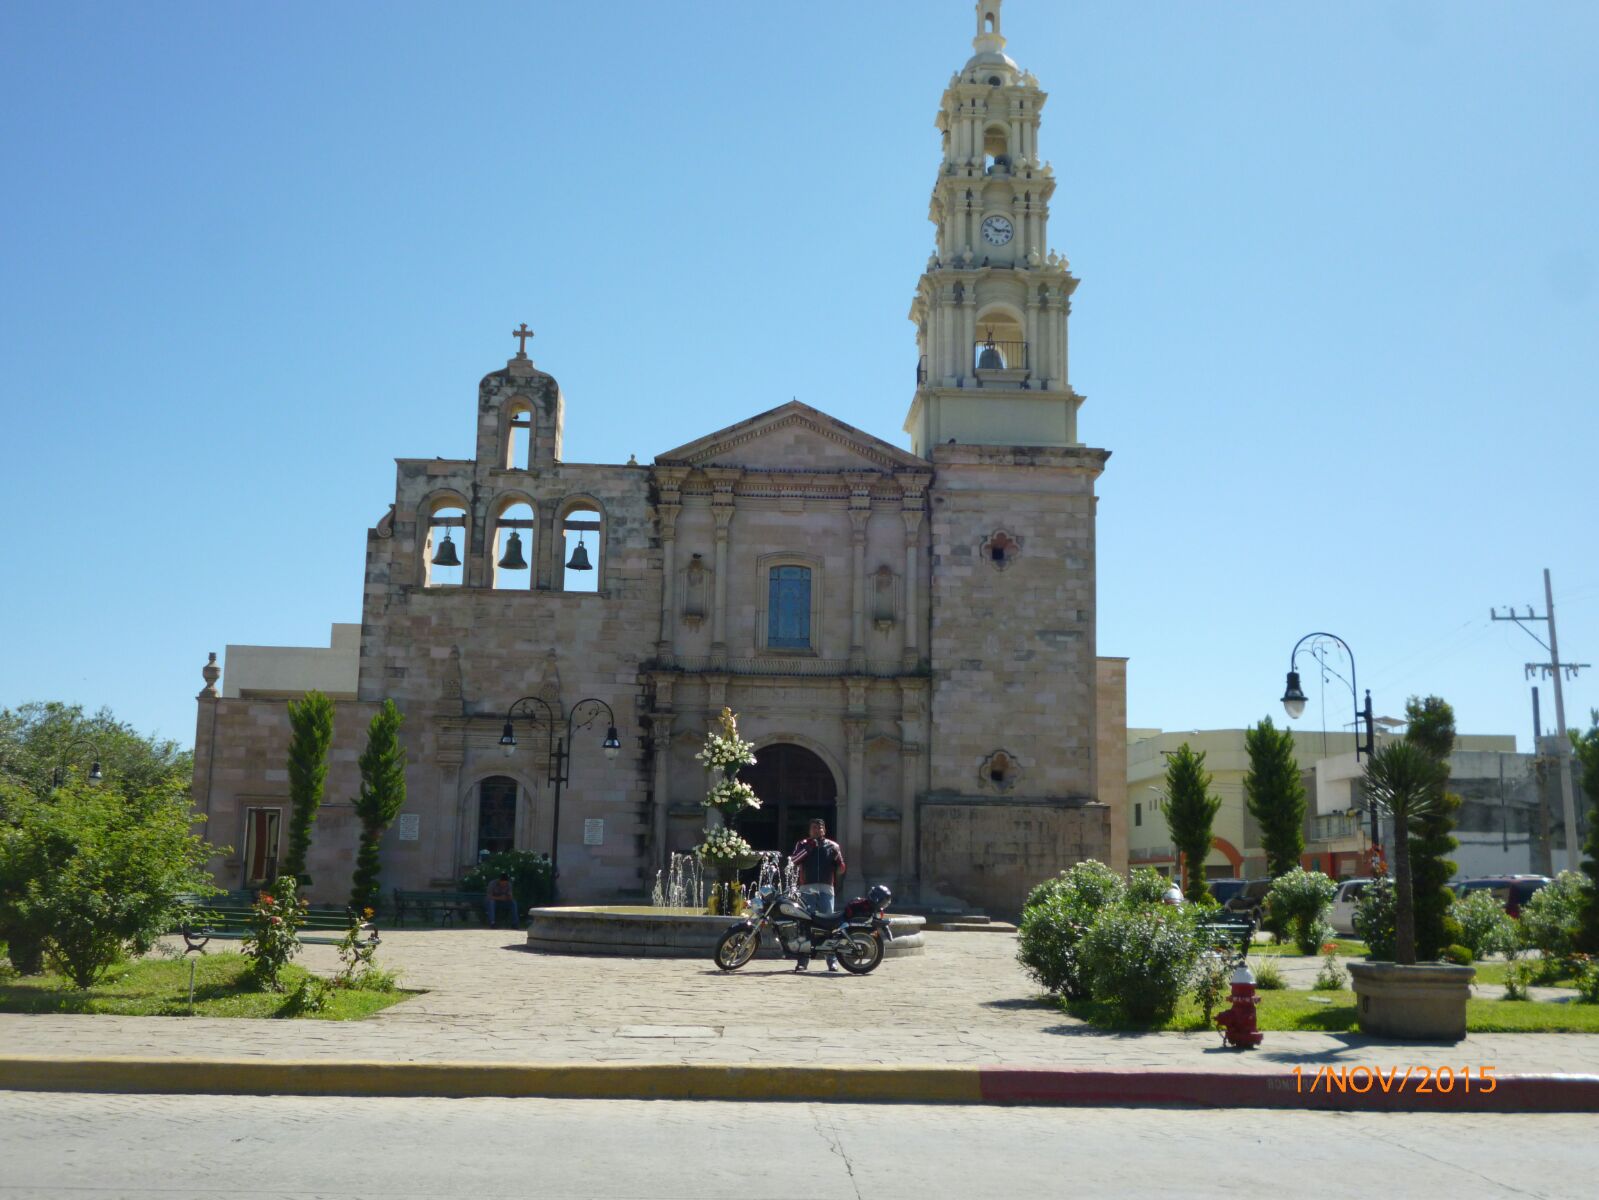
(820, 863)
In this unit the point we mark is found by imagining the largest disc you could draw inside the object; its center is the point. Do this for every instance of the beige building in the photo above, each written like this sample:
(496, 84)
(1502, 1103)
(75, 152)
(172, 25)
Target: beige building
(907, 636)
(1336, 822)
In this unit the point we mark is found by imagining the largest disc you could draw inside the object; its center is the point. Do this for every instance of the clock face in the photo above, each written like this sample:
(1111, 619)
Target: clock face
(997, 231)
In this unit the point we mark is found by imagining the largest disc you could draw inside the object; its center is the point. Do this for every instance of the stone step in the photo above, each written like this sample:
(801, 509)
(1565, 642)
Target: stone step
(983, 926)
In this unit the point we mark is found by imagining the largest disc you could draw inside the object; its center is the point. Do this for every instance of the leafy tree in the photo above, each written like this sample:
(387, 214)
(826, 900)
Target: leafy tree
(1400, 780)
(311, 726)
(1275, 795)
(382, 796)
(43, 742)
(1586, 746)
(1190, 812)
(1299, 902)
(1432, 729)
(92, 873)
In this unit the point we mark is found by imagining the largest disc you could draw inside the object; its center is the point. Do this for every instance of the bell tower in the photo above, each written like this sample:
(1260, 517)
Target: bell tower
(991, 307)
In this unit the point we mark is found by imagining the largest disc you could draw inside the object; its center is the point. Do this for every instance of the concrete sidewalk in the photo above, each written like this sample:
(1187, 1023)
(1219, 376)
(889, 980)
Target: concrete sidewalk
(964, 1003)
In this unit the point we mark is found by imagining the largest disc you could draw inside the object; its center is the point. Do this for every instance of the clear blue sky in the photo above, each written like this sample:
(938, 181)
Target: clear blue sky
(1337, 319)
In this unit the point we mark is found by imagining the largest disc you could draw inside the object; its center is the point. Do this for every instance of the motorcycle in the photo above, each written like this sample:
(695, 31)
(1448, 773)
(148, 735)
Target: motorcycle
(855, 934)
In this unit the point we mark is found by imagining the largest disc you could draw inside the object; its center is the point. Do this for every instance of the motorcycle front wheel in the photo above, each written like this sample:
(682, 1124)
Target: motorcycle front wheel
(861, 953)
(736, 948)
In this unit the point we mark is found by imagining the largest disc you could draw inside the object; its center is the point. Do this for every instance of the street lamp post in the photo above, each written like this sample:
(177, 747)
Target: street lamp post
(1294, 706)
(560, 753)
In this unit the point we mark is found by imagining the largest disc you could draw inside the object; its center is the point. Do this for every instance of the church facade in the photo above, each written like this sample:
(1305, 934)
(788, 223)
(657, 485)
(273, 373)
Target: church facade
(908, 637)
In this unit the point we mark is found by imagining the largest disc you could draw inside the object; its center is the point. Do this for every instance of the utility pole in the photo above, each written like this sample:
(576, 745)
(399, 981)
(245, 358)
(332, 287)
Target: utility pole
(1543, 863)
(1559, 672)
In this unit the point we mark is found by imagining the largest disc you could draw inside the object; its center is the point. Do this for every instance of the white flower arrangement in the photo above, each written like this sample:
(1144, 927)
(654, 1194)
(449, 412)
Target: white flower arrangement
(731, 796)
(724, 846)
(726, 751)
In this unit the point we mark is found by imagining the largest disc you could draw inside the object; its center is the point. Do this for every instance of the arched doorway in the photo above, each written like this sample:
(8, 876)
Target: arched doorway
(794, 785)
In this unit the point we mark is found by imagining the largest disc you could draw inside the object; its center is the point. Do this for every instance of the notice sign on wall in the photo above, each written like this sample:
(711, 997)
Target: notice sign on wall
(594, 831)
(410, 826)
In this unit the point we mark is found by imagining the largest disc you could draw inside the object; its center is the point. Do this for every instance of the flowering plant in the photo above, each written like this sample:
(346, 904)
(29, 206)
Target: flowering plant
(273, 939)
(731, 797)
(726, 751)
(724, 847)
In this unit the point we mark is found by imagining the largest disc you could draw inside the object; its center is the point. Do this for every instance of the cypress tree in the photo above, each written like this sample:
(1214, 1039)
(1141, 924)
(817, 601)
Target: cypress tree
(1586, 746)
(1275, 795)
(311, 733)
(1432, 730)
(382, 796)
(1190, 811)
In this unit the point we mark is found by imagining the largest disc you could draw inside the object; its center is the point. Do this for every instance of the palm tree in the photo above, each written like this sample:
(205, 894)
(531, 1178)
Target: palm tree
(1399, 781)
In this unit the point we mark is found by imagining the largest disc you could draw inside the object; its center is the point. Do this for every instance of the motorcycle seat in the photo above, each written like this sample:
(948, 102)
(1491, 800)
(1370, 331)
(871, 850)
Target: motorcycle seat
(831, 920)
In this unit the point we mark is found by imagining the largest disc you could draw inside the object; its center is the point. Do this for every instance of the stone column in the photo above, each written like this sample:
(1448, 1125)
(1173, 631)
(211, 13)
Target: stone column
(860, 512)
(911, 514)
(666, 645)
(968, 331)
(1034, 359)
(855, 779)
(910, 773)
(722, 481)
(661, 732)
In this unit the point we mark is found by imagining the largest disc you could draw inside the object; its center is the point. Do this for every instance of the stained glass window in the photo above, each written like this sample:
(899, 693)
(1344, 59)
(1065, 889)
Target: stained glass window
(788, 613)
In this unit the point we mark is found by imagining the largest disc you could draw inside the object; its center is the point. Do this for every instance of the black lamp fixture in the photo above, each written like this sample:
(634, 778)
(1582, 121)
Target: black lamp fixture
(1294, 697)
(1294, 704)
(560, 754)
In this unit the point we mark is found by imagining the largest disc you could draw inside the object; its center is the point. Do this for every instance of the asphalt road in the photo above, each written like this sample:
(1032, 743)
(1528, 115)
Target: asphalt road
(58, 1146)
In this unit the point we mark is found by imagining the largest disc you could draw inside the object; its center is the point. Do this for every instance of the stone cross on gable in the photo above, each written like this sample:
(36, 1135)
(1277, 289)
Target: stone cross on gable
(521, 335)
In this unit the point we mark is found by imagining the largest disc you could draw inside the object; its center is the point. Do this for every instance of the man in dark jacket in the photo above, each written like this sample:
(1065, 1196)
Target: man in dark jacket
(820, 862)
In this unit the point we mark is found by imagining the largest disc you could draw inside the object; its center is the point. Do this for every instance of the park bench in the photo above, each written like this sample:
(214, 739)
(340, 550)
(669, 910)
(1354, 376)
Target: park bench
(446, 906)
(1227, 930)
(227, 918)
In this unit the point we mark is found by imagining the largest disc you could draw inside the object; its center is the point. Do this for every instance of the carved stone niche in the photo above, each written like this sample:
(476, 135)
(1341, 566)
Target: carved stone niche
(1001, 550)
(696, 590)
(885, 598)
(1000, 771)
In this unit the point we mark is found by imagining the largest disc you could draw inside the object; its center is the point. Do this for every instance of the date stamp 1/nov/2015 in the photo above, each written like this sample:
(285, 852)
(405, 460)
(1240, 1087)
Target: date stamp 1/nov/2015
(1417, 1080)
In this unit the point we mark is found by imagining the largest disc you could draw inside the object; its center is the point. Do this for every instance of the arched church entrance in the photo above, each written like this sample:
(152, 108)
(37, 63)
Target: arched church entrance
(795, 786)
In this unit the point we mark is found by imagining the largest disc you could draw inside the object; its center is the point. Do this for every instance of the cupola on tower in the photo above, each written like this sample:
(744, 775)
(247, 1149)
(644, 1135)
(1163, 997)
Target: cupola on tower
(992, 305)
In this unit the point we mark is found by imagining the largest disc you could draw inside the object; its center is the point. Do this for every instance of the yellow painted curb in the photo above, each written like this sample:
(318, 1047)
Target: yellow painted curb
(640, 1081)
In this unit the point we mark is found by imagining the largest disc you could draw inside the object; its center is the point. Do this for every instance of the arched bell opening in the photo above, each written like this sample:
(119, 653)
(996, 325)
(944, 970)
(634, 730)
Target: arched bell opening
(1001, 344)
(582, 546)
(518, 436)
(445, 547)
(512, 548)
(996, 149)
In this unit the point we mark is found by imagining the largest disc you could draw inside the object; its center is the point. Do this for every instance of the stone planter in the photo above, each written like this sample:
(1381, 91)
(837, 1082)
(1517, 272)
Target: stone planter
(1425, 1001)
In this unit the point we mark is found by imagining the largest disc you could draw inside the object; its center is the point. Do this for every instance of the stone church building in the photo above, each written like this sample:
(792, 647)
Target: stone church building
(908, 637)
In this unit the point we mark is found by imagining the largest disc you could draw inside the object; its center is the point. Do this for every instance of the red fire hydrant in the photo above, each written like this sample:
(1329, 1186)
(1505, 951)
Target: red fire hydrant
(1238, 1022)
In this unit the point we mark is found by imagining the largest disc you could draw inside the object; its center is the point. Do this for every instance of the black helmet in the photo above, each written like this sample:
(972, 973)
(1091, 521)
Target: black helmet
(879, 896)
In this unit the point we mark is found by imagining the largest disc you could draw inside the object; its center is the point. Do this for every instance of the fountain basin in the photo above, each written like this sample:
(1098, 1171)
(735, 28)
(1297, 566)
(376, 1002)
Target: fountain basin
(629, 931)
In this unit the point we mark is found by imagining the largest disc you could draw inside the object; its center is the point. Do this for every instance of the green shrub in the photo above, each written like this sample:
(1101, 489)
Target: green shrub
(311, 996)
(1210, 981)
(1588, 981)
(1518, 977)
(532, 877)
(1551, 921)
(1459, 955)
(1485, 927)
(1331, 977)
(1300, 901)
(1148, 886)
(1090, 880)
(1268, 976)
(1375, 918)
(93, 872)
(1139, 959)
(1057, 914)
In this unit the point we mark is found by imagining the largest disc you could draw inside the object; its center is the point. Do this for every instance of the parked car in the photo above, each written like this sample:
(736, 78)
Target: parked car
(1511, 890)
(1225, 889)
(1345, 901)
(1250, 899)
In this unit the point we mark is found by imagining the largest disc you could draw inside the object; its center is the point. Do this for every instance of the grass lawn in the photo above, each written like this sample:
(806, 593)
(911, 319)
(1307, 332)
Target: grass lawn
(159, 987)
(1347, 948)
(1494, 972)
(1334, 1012)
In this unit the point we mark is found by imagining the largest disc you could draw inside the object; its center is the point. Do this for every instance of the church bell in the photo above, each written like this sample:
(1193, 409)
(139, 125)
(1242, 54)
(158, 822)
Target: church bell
(580, 557)
(989, 359)
(512, 559)
(445, 555)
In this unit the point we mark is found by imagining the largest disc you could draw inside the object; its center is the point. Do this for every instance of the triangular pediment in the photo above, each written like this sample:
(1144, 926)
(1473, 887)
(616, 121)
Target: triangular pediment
(793, 437)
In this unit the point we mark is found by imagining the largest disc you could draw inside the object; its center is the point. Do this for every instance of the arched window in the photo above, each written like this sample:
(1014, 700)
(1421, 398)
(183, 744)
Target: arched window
(496, 815)
(990, 23)
(445, 547)
(512, 548)
(996, 148)
(1001, 344)
(583, 548)
(518, 436)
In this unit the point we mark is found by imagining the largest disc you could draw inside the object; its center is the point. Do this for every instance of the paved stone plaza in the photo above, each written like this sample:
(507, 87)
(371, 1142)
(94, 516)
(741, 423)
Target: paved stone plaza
(964, 1002)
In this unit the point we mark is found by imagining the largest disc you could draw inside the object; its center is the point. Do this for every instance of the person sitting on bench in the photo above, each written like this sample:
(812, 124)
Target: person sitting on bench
(500, 893)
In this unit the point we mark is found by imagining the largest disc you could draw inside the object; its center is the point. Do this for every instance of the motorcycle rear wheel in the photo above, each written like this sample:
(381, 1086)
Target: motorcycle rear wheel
(737, 947)
(861, 953)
